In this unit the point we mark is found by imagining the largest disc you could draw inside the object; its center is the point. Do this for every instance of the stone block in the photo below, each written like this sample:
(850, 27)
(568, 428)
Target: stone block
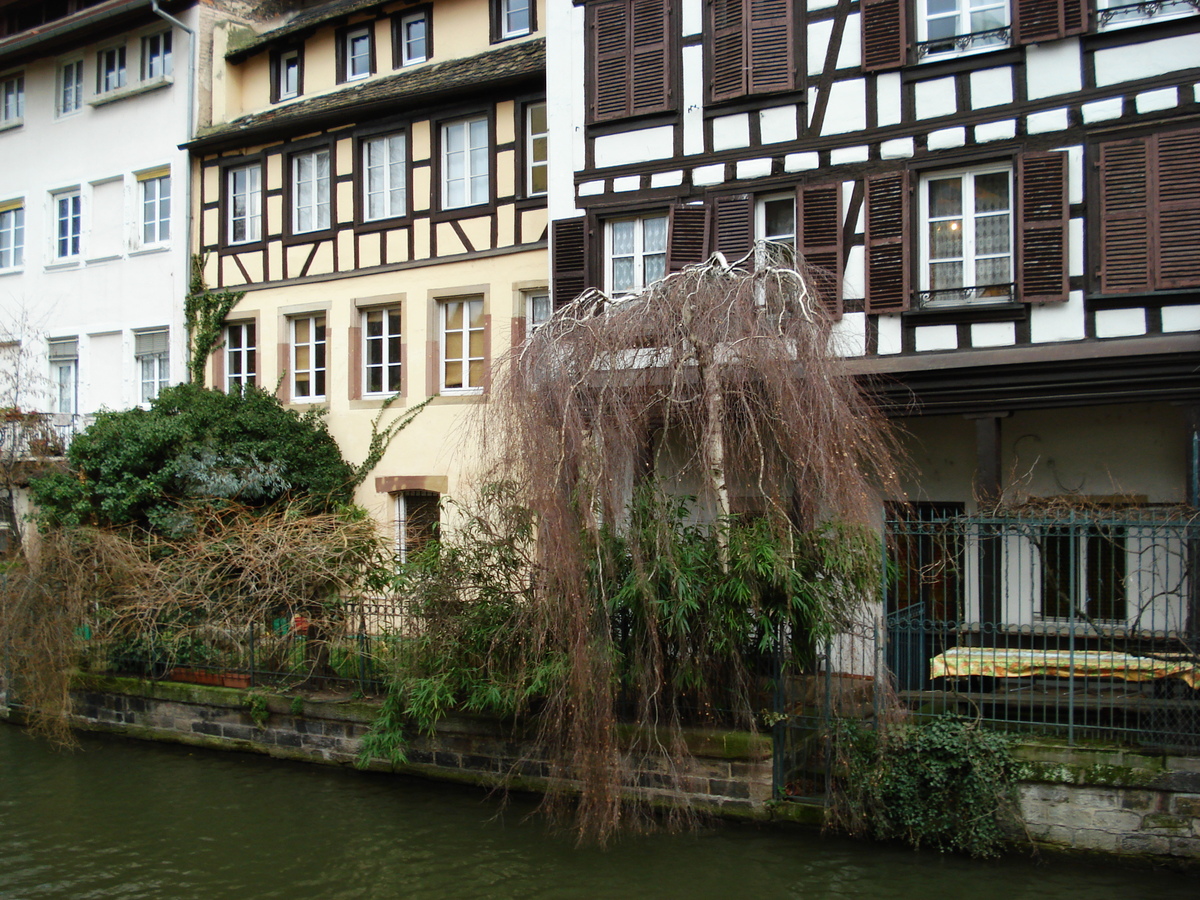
(479, 763)
(736, 789)
(1188, 847)
(206, 728)
(1164, 823)
(1093, 839)
(239, 732)
(1116, 820)
(1186, 805)
(447, 760)
(1144, 843)
(1183, 764)
(1061, 834)
(1140, 801)
(286, 739)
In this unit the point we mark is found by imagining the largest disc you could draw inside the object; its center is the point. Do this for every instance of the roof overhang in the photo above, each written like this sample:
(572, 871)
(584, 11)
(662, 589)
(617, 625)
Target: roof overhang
(84, 27)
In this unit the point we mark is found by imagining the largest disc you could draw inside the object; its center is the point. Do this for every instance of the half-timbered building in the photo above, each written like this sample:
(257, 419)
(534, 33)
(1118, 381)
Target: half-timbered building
(374, 180)
(1001, 195)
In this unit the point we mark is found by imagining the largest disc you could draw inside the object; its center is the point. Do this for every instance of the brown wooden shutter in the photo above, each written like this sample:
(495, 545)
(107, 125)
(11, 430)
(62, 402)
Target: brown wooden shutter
(733, 217)
(1047, 20)
(1124, 217)
(885, 42)
(771, 48)
(688, 237)
(727, 77)
(608, 39)
(1042, 215)
(1177, 190)
(887, 241)
(819, 239)
(650, 44)
(569, 258)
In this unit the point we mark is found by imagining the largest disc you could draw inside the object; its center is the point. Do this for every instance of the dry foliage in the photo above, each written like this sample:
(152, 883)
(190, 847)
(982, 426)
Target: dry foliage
(719, 382)
(236, 568)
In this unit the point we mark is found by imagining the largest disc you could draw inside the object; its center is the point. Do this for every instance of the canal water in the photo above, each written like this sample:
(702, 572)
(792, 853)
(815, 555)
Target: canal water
(122, 819)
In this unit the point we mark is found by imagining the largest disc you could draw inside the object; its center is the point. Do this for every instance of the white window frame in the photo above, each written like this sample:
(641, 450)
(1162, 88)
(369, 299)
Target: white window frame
(157, 59)
(959, 43)
(249, 214)
(68, 224)
(70, 87)
(12, 98)
(538, 309)
(154, 363)
(110, 69)
(465, 357)
(288, 62)
(969, 218)
(406, 43)
(155, 198)
(466, 141)
(12, 236)
(387, 339)
(1113, 14)
(315, 372)
(241, 355)
(349, 39)
(639, 254)
(762, 232)
(385, 180)
(537, 150)
(311, 176)
(516, 18)
(64, 375)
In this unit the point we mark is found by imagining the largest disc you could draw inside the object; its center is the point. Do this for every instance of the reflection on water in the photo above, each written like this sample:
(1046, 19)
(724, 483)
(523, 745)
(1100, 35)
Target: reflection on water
(129, 820)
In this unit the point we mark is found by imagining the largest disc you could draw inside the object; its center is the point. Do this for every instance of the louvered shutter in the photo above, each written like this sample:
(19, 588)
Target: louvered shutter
(1177, 189)
(887, 241)
(1124, 217)
(733, 219)
(608, 36)
(727, 77)
(771, 48)
(1047, 20)
(884, 37)
(819, 239)
(688, 237)
(569, 257)
(1042, 215)
(650, 44)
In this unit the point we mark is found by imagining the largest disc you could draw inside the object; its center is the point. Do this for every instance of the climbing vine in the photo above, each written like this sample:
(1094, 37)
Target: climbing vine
(205, 312)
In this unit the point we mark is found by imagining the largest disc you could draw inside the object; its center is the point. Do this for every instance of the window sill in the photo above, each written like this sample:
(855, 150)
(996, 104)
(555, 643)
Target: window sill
(64, 265)
(142, 87)
(11, 124)
(447, 399)
(12, 270)
(95, 260)
(146, 251)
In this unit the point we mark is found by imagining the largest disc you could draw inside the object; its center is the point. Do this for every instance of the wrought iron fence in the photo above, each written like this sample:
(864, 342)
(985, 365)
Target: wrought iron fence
(1075, 625)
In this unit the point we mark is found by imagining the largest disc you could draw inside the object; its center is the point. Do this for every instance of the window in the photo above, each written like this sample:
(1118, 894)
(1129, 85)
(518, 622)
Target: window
(310, 191)
(416, 522)
(629, 58)
(156, 55)
(308, 358)
(750, 47)
(357, 54)
(244, 206)
(152, 352)
(511, 18)
(412, 38)
(70, 87)
(156, 208)
(537, 309)
(966, 236)
(12, 98)
(385, 177)
(465, 163)
(1117, 13)
(536, 150)
(637, 253)
(110, 69)
(286, 75)
(462, 346)
(68, 216)
(951, 26)
(381, 350)
(1149, 213)
(64, 370)
(1083, 571)
(241, 361)
(12, 234)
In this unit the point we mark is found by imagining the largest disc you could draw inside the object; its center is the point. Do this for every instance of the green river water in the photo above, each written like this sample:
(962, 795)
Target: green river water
(122, 819)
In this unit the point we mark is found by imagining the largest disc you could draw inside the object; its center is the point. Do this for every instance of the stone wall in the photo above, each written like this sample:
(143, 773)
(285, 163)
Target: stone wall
(1111, 800)
(729, 773)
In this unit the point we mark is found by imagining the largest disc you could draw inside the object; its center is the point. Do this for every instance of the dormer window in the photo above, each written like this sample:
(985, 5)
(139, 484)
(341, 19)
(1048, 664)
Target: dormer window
(512, 18)
(357, 52)
(412, 38)
(287, 75)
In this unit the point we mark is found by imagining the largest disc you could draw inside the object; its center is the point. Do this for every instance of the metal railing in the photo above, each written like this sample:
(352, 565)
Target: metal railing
(1076, 625)
(33, 435)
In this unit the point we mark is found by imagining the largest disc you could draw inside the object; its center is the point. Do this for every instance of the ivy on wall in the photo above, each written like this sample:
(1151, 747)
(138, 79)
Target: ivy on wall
(204, 313)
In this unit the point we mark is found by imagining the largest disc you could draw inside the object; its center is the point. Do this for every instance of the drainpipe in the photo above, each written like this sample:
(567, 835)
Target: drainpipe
(194, 57)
